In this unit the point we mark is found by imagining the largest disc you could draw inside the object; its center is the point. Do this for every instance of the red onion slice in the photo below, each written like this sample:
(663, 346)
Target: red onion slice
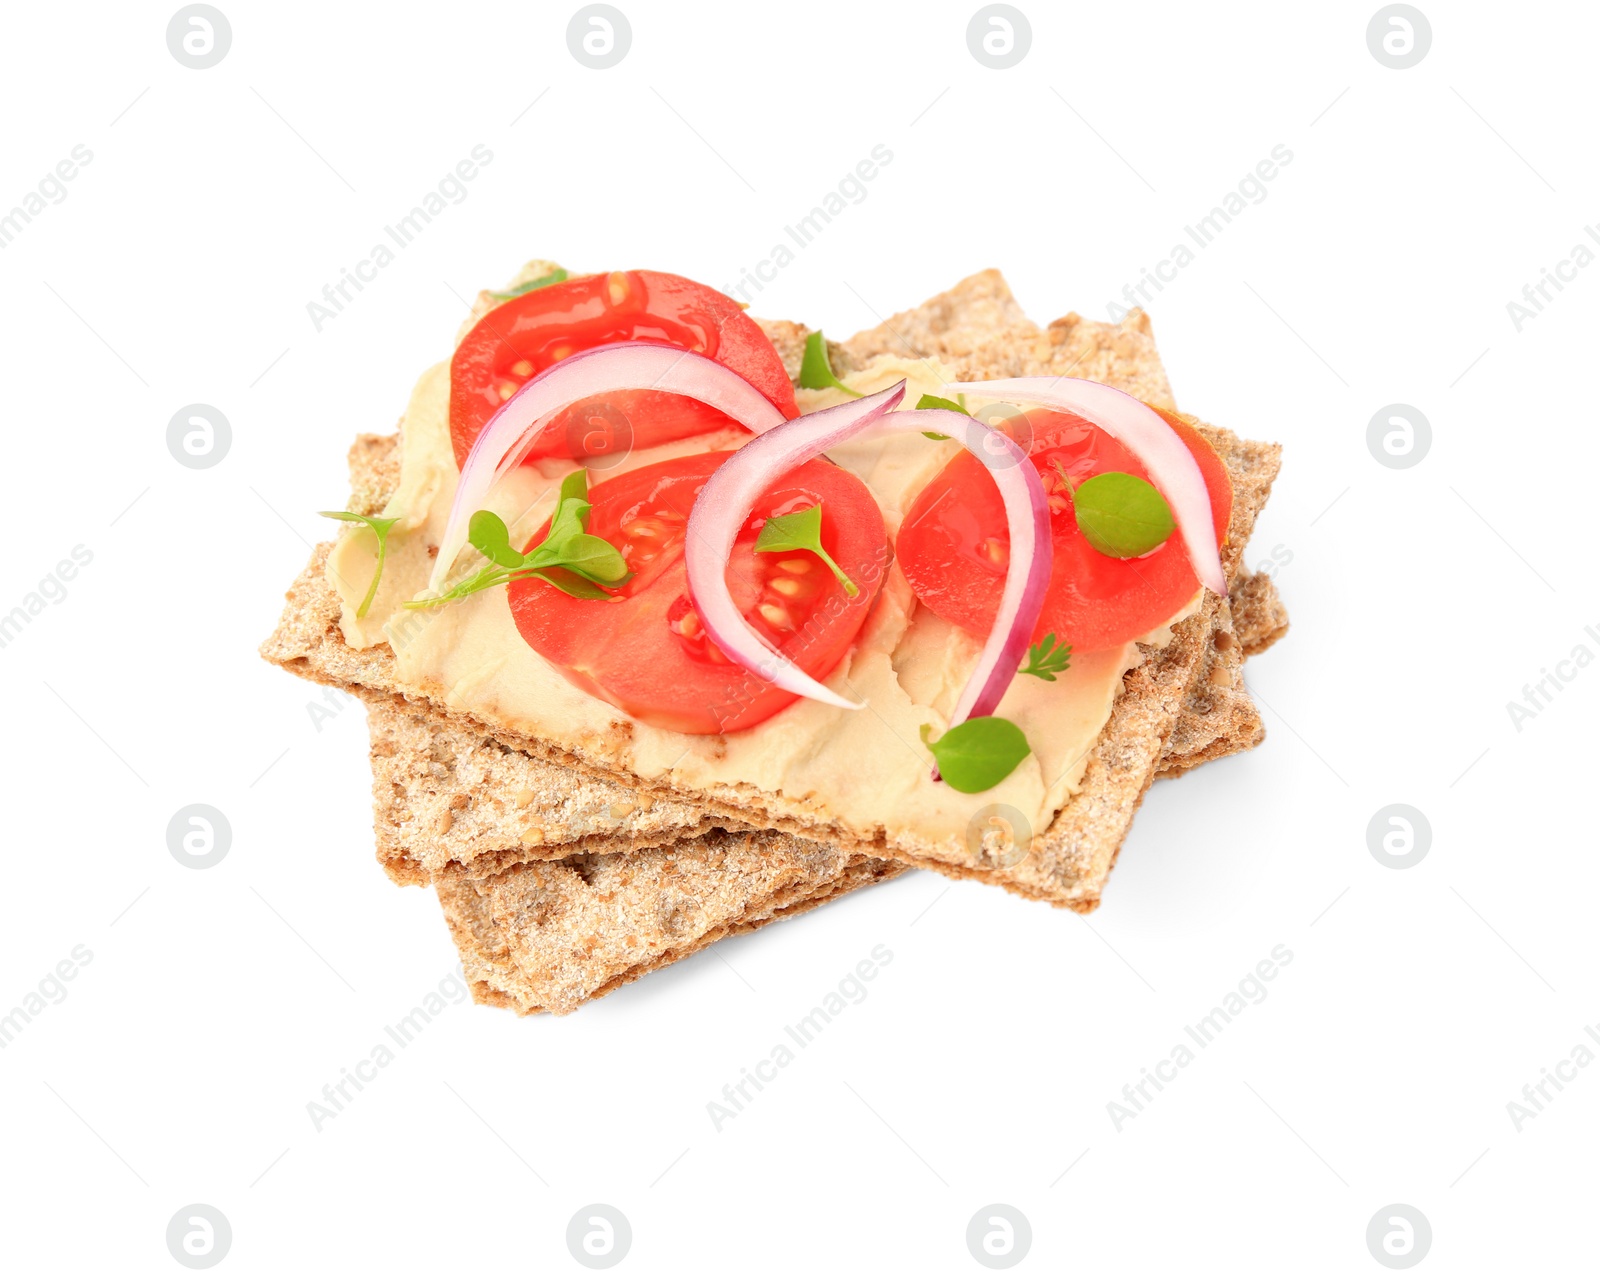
(727, 498)
(605, 369)
(1032, 553)
(722, 507)
(1172, 468)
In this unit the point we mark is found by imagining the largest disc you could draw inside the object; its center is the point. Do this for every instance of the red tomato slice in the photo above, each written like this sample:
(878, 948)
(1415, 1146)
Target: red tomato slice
(529, 333)
(645, 650)
(954, 546)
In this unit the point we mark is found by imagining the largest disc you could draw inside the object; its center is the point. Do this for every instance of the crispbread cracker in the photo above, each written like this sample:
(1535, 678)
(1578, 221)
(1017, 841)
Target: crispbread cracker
(547, 936)
(1074, 856)
(1259, 616)
(1069, 861)
(450, 803)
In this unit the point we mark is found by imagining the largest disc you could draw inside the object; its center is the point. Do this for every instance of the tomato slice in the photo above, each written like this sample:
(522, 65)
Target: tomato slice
(529, 333)
(954, 546)
(645, 650)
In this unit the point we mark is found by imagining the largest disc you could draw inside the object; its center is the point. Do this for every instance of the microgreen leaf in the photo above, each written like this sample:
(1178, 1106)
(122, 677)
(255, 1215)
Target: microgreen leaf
(573, 585)
(488, 534)
(575, 486)
(1047, 657)
(978, 753)
(568, 557)
(815, 370)
(380, 528)
(589, 556)
(802, 530)
(555, 276)
(570, 518)
(572, 509)
(1121, 515)
(932, 402)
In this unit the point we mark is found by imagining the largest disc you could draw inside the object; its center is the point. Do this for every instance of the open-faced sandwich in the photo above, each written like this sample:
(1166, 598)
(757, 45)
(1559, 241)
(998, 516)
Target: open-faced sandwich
(673, 622)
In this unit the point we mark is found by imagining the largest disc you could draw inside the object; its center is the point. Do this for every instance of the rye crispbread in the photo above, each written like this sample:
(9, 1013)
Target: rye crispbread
(548, 936)
(450, 803)
(976, 331)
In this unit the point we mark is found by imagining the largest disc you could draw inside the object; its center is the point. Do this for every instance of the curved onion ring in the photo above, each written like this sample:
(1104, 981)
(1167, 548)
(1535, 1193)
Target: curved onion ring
(1172, 468)
(725, 502)
(625, 365)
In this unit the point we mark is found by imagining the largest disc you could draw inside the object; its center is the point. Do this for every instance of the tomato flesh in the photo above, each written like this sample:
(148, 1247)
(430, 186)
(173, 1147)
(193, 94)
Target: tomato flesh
(516, 341)
(954, 546)
(645, 650)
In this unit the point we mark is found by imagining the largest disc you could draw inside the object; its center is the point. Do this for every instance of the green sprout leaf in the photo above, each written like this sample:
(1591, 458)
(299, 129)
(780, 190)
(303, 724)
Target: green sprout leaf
(815, 370)
(487, 533)
(568, 558)
(572, 585)
(802, 530)
(572, 508)
(380, 527)
(575, 486)
(1121, 515)
(978, 753)
(586, 555)
(1047, 657)
(555, 276)
(932, 402)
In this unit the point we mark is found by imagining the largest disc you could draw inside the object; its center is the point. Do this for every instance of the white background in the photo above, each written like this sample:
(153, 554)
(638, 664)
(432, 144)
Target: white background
(219, 1002)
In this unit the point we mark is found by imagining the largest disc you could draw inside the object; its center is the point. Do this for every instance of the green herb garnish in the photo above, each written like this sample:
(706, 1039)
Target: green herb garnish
(490, 536)
(978, 753)
(380, 528)
(555, 276)
(572, 507)
(1046, 657)
(1121, 515)
(932, 402)
(802, 530)
(568, 558)
(815, 370)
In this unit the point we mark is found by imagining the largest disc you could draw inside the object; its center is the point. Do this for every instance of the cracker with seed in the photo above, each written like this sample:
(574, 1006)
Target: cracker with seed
(976, 331)
(548, 936)
(450, 803)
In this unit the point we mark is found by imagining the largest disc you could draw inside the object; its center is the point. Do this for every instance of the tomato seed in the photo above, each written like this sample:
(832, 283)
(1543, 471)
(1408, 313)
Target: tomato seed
(775, 615)
(506, 390)
(523, 368)
(795, 565)
(788, 587)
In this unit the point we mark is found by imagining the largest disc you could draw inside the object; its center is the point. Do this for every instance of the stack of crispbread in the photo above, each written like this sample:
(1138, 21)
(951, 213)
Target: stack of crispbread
(563, 875)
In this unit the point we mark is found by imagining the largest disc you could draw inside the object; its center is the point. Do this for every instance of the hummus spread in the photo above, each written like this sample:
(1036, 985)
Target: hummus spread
(866, 769)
